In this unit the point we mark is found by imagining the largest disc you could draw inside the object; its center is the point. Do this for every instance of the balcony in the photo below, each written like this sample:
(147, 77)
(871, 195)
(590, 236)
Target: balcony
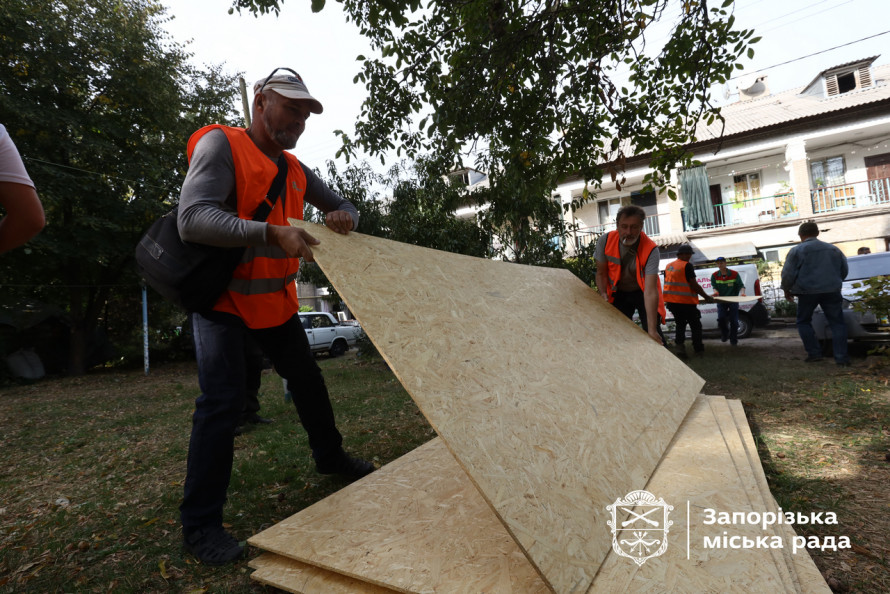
(749, 211)
(874, 192)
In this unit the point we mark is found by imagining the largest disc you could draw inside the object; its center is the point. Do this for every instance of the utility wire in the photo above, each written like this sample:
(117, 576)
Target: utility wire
(97, 174)
(811, 55)
(793, 12)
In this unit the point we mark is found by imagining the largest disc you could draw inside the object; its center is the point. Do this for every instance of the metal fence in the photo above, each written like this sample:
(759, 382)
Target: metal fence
(846, 196)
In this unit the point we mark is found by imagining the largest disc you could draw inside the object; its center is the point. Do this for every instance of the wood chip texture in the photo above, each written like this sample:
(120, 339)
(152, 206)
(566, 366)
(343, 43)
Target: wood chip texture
(698, 469)
(416, 525)
(553, 402)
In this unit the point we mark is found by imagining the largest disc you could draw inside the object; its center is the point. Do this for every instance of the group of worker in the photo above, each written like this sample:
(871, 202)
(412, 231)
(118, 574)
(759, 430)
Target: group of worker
(627, 276)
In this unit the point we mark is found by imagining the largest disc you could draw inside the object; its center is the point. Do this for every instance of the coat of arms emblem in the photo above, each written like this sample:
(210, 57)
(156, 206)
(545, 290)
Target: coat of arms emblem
(643, 534)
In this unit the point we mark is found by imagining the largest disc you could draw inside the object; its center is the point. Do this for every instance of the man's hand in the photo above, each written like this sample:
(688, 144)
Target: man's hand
(742, 294)
(338, 221)
(789, 296)
(294, 241)
(653, 334)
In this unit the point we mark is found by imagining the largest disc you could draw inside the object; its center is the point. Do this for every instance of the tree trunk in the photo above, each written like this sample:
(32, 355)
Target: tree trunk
(77, 349)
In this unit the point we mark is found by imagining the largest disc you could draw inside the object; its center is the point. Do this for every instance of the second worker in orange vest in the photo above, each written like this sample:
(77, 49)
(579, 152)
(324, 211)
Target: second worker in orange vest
(681, 291)
(627, 271)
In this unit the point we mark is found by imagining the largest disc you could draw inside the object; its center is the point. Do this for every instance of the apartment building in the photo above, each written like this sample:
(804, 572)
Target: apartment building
(819, 152)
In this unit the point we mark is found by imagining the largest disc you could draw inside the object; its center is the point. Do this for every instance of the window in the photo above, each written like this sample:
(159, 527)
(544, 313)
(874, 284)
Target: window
(607, 210)
(321, 322)
(828, 172)
(747, 186)
(829, 192)
(846, 82)
(838, 83)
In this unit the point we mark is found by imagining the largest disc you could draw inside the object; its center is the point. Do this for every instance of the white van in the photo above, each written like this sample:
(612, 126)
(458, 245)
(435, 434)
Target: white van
(751, 314)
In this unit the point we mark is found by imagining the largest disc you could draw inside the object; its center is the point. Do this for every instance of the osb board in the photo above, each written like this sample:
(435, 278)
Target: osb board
(697, 469)
(292, 576)
(416, 525)
(743, 465)
(737, 298)
(348, 531)
(809, 579)
(551, 400)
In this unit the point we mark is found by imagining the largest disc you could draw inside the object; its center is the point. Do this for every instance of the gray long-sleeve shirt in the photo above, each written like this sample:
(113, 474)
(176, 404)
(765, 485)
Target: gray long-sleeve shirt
(812, 267)
(207, 212)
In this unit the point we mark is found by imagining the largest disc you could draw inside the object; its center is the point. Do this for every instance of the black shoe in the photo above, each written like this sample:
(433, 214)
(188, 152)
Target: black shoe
(812, 359)
(240, 430)
(212, 546)
(344, 465)
(256, 419)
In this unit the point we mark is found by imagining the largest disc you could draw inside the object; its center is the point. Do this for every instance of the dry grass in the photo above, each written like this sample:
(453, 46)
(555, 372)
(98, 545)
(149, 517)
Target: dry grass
(91, 473)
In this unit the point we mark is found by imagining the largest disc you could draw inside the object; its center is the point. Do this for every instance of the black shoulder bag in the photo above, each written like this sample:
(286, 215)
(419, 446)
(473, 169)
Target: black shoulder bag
(194, 275)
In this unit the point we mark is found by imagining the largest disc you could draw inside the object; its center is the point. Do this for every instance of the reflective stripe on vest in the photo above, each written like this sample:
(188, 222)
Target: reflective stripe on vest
(259, 286)
(262, 291)
(613, 264)
(676, 287)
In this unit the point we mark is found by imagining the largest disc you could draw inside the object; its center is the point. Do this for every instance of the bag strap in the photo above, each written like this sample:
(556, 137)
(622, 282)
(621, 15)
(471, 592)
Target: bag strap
(268, 204)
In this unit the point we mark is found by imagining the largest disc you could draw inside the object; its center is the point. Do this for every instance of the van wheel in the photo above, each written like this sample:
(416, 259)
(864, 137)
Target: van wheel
(745, 325)
(338, 348)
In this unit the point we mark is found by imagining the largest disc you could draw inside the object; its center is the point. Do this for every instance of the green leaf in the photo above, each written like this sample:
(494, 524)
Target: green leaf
(317, 5)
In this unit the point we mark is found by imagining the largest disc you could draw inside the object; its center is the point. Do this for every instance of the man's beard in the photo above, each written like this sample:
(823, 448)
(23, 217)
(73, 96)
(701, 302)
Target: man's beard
(282, 138)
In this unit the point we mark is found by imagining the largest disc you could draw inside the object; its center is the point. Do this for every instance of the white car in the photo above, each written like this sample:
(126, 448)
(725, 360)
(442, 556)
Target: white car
(326, 333)
(751, 314)
(861, 326)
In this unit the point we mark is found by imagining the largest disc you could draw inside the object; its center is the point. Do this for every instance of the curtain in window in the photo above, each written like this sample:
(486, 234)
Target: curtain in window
(696, 196)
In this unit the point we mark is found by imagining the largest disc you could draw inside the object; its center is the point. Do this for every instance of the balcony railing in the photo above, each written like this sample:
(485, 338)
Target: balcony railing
(856, 195)
(749, 211)
(587, 235)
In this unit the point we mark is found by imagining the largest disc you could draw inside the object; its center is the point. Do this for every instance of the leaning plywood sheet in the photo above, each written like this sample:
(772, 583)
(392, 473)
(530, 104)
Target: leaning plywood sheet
(731, 436)
(416, 525)
(549, 398)
(696, 473)
(292, 576)
(809, 579)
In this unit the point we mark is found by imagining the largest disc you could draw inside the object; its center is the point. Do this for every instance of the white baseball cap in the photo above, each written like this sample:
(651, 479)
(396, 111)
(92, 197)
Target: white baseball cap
(290, 86)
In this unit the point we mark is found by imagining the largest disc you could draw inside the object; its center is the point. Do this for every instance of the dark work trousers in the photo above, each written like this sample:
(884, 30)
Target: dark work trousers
(253, 374)
(628, 302)
(728, 321)
(219, 348)
(832, 305)
(687, 314)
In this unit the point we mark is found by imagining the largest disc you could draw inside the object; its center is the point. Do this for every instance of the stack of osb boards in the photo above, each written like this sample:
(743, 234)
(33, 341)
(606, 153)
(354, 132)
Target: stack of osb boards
(549, 406)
